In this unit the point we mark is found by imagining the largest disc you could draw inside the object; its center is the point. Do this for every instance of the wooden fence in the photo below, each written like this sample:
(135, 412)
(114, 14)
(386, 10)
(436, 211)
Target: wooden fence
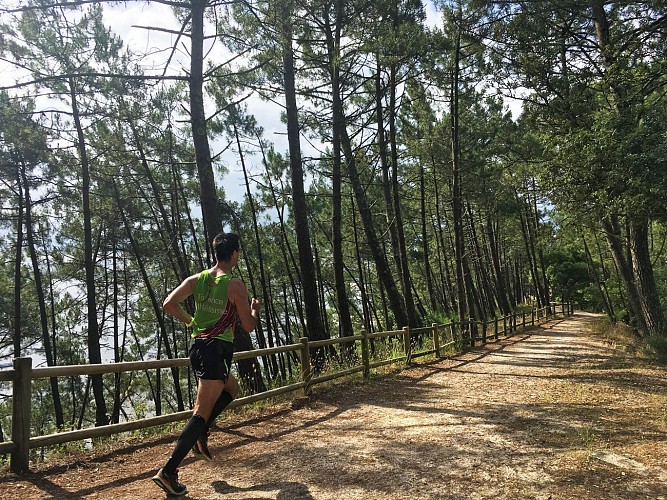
(449, 336)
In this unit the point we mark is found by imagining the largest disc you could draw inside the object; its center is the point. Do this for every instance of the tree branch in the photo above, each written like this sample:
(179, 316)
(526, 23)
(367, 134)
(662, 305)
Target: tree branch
(97, 75)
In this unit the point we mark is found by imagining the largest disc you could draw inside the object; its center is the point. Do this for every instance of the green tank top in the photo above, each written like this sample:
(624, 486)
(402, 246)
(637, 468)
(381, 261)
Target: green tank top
(214, 315)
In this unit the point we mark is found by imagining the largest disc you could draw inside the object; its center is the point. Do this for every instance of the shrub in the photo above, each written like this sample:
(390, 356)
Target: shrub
(655, 347)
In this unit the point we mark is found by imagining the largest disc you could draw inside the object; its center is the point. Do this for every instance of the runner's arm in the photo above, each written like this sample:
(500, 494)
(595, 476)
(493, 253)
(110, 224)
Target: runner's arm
(248, 312)
(172, 304)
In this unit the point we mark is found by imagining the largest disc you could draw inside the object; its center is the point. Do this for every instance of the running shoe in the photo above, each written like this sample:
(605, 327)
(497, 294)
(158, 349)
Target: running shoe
(169, 483)
(200, 448)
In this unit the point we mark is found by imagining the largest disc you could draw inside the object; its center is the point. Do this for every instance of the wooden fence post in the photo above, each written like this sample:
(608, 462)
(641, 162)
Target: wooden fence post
(407, 345)
(306, 372)
(505, 325)
(436, 339)
(495, 327)
(365, 354)
(532, 317)
(21, 395)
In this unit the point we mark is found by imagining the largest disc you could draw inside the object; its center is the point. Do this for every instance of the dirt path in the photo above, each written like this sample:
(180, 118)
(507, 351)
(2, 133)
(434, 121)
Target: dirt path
(549, 414)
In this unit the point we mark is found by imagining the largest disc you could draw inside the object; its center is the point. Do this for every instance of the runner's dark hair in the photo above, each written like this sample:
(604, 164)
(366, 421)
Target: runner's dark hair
(224, 245)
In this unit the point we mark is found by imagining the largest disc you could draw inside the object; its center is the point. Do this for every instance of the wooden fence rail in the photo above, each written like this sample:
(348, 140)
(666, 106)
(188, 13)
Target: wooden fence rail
(453, 335)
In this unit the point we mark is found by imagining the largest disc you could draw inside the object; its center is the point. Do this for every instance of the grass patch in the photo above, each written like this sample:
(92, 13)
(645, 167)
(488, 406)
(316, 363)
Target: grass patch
(621, 336)
(587, 438)
(618, 335)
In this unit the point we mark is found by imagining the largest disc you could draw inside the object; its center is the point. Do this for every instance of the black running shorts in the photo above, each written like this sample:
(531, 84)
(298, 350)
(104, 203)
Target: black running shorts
(211, 359)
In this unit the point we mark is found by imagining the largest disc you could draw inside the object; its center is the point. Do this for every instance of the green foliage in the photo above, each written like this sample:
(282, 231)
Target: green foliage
(655, 347)
(439, 318)
(568, 274)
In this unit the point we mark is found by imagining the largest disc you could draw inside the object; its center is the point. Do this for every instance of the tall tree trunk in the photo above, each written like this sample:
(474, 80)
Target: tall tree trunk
(529, 244)
(289, 338)
(614, 240)
(428, 273)
(503, 302)
(16, 338)
(546, 294)
(158, 373)
(642, 291)
(475, 309)
(250, 369)
(115, 410)
(52, 300)
(365, 302)
(272, 316)
(43, 315)
(404, 270)
(374, 244)
(443, 261)
(210, 206)
(457, 201)
(180, 206)
(484, 291)
(153, 391)
(603, 268)
(285, 247)
(642, 269)
(345, 328)
(315, 330)
(159, 315)
(94, 352)
(169, 236)
(600, 283)
(321, 287)
(384, 166)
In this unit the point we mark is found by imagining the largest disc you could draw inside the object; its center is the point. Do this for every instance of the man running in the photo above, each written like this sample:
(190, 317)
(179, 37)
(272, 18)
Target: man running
(219, 300)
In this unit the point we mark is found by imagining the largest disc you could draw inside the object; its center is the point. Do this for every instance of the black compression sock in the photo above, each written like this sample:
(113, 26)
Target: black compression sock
(221, 403)
(189, 435)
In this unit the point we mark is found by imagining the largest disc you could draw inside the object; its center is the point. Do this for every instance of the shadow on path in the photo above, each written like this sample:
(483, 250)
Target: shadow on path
(286, 490)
